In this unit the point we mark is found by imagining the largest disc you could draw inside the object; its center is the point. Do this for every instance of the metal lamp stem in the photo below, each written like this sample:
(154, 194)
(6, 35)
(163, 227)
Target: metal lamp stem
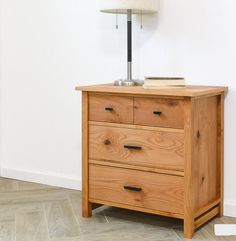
(129, 45)
(129, 81)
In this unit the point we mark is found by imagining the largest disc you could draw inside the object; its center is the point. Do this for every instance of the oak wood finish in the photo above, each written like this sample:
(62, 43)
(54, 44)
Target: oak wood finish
(140, 168)
(205, 151)
(207, 207)
(140, 209)
(206, 217)
(30, 212)
(158, 149)
(189, 91)
(107, 108)
(179, 157)
(158, 191)
(137, 127)
(87, 206)
(189, 170)
(159, 112)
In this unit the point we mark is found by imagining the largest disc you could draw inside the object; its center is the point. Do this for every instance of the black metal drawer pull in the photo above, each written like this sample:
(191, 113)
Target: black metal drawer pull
(133, 147)
(136, 189)
(157, 113)
(109, 109)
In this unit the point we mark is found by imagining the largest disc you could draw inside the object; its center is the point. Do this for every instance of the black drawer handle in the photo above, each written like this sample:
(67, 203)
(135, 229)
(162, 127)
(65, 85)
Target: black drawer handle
(133, 147)
(136, 189)
(109, 109)
(157, 113)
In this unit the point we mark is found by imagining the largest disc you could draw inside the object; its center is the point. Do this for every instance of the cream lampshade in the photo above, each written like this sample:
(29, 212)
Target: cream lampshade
(129, 7)
(122, 6)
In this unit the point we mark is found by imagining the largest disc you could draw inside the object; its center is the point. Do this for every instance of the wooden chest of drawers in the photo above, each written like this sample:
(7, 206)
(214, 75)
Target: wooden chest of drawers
(155, 151)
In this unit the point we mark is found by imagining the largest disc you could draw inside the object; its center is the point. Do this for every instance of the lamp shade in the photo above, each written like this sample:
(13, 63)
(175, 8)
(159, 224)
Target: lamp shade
(122, 6)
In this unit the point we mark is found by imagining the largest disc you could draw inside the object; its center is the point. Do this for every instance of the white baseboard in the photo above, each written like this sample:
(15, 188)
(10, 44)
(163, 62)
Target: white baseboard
(230, 209)
(43, 178)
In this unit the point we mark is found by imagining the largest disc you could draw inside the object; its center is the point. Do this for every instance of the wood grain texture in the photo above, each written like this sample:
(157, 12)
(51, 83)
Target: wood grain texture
(189, 201)
(68, 239)
(137, 127)
(31, 226)
(139, 209)
(8, 212)
(87, 207)
(23, 197)
(122, 108)
(206, 217)
(61, 220)
(172, 112)
(159, 191)
(27, 186)
(106, 224)
(205, 152)
(189, 91)
(159, 149)
(207, 207)
(202, 165)
(7, 185)
(7, 230)
(141, 168)
(183, 140)
(75, 202)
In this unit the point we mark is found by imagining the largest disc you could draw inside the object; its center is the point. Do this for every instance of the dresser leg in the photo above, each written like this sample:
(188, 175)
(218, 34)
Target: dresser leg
(221, 212)
(87, 209)
(188, 229)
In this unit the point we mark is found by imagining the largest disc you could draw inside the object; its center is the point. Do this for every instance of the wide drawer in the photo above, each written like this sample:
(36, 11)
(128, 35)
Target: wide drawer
(110, 108)
(137, 188)
(159, 112)
(158, 149)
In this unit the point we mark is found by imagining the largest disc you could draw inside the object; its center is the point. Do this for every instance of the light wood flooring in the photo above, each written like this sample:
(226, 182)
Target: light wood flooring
(34, 212)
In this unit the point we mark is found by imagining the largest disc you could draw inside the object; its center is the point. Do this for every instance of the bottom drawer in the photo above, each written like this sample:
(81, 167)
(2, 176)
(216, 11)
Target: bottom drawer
(136, 188)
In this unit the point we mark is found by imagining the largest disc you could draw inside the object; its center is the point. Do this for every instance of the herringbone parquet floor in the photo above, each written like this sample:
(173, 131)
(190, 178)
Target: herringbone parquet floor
(34, 212)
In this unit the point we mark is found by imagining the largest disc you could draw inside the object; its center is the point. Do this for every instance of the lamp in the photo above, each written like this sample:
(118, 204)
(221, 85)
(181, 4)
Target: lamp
(129, 7)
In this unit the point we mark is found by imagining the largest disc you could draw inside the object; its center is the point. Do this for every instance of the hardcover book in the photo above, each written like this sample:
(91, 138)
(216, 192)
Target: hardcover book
(160, 82)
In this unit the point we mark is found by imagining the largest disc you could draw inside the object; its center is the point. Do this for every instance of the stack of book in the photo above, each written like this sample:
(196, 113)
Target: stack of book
(163, 82)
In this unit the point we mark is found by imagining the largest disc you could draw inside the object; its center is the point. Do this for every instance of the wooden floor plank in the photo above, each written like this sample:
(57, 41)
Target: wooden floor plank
(8, 185)
(61, 220)
(7, 230)
(34, 212)
(75, 200)
(31, 227)
(27, 186)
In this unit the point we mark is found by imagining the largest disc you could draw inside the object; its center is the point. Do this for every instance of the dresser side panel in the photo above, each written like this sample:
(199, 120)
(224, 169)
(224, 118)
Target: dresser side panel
(206, 168)
(86, 206)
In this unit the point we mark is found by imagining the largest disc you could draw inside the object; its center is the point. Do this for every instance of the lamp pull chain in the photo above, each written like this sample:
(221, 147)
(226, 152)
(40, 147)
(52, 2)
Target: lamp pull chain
(117, 26)
(141, 16)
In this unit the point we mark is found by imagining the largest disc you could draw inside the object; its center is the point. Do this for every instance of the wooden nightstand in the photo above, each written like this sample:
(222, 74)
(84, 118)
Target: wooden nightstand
(155, 151)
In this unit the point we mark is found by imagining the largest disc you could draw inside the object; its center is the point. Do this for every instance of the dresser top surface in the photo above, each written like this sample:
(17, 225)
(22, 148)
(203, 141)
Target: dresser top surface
(188, 91)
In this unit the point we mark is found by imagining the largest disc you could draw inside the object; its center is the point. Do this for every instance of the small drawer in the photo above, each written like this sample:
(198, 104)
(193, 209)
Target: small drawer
(159, 112)
(137, 188)
(158, 149)
(111, 108)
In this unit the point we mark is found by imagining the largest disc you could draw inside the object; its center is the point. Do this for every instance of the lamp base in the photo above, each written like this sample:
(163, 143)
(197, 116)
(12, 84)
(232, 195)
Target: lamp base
(128, 83)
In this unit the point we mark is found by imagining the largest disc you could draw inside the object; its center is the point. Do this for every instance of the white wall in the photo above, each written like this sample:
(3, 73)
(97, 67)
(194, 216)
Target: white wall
(50, 46)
